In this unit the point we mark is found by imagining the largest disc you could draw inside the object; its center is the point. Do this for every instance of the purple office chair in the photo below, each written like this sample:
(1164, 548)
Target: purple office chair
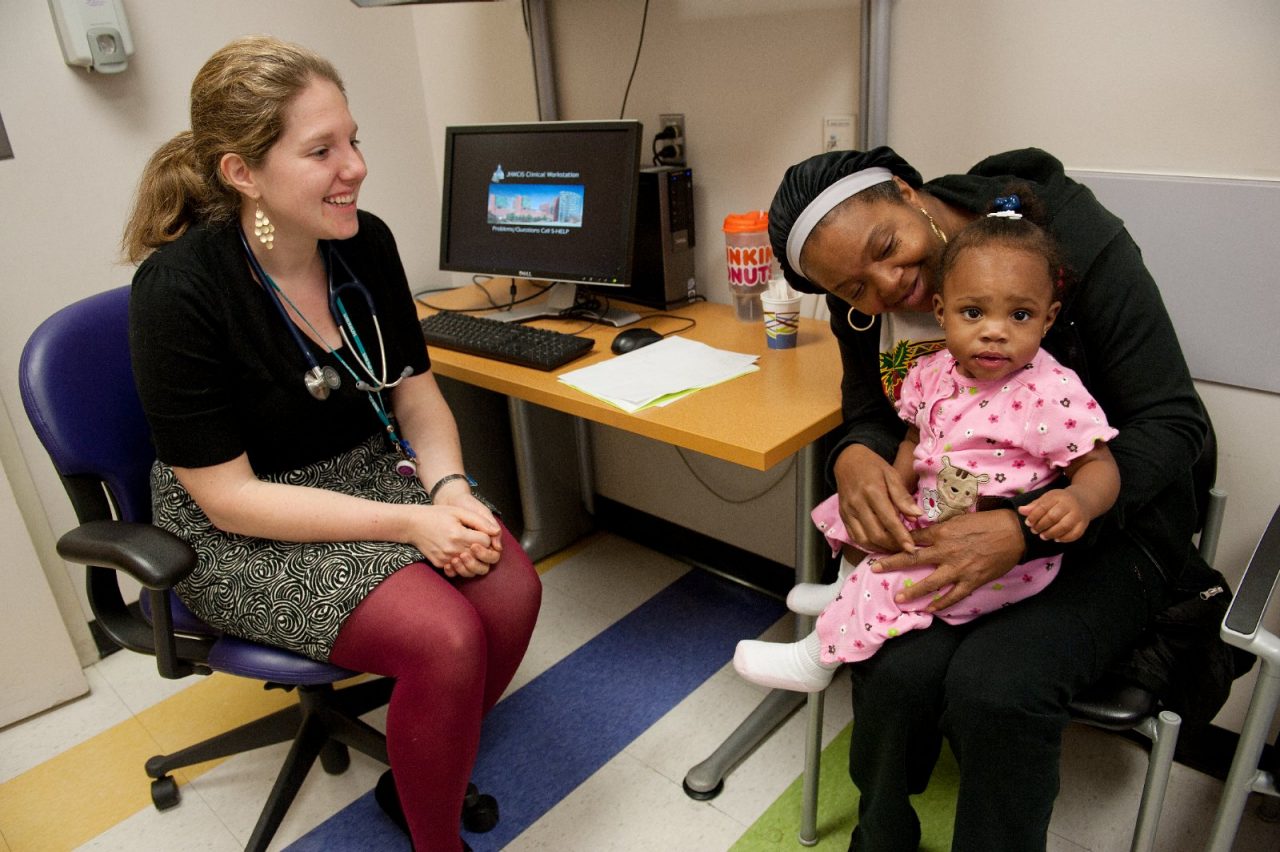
(77, 387)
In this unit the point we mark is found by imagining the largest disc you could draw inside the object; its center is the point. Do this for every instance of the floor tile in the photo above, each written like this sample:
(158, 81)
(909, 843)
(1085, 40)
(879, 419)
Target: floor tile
(29, 743)
(628, 807)
(191, 827)
(634, 801)
(237, 789)
(135, 679)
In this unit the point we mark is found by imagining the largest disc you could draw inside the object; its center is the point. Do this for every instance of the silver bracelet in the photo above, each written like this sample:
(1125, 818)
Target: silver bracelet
(445, 480)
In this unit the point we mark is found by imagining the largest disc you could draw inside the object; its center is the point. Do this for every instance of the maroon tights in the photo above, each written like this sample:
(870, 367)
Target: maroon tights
(452, 647)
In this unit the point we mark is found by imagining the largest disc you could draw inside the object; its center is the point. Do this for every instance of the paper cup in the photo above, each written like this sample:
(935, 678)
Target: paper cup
(781, 321)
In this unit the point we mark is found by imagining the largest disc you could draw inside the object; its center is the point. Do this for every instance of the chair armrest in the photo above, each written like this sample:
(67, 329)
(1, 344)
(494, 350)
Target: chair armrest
(1243, 620)
(154, 557)
(158, 560)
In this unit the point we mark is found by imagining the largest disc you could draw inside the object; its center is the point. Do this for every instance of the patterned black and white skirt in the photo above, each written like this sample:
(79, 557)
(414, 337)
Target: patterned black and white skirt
(295, 595)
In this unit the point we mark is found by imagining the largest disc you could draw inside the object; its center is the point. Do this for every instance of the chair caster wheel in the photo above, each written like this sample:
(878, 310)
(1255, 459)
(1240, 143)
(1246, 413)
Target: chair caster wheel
(479, 811)
(335, 757)
(164, 793)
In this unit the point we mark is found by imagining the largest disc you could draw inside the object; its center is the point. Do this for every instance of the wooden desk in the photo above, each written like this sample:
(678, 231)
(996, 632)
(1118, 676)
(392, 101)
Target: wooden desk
(756, 420)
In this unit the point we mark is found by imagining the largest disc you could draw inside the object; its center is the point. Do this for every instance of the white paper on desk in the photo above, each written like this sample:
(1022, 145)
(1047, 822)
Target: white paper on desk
(659, 373)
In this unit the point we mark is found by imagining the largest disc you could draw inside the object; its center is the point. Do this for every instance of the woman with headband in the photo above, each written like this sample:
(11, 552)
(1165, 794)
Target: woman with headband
(865, 229)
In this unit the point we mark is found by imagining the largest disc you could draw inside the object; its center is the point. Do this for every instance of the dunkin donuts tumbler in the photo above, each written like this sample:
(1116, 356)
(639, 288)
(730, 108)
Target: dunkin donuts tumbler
(750, 260)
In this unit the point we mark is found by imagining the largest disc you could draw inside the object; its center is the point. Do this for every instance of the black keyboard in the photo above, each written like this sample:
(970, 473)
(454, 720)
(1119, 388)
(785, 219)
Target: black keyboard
(538, 348)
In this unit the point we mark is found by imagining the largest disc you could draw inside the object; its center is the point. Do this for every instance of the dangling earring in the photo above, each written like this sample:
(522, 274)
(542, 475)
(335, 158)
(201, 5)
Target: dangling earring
(262, 228)
(871, 320)
(932, 224)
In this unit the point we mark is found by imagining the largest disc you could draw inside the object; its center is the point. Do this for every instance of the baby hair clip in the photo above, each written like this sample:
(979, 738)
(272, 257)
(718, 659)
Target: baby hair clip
(1006, 207)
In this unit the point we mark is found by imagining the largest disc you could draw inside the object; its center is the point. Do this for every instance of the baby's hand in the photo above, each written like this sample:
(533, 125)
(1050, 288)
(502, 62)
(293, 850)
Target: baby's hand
(1056, 516)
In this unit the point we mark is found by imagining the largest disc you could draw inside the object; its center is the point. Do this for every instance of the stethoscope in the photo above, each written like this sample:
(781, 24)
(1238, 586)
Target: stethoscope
(321, 381)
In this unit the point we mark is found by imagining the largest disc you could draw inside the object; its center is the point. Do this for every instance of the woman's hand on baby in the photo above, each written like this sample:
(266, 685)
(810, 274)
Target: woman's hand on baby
(460, 540)
(873, 499)
(966, 553)
(1056, 516)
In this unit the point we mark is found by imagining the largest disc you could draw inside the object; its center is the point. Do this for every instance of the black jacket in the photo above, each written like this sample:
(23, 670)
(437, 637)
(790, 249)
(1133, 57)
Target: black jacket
(1113, 330)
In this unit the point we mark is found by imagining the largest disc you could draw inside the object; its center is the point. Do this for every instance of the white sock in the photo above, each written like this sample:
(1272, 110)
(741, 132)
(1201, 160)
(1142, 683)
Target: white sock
(784, 665)
(813, 598)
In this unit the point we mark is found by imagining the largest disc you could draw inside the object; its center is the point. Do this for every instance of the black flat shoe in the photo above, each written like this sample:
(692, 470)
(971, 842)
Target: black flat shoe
(479, 810)
(384, 793)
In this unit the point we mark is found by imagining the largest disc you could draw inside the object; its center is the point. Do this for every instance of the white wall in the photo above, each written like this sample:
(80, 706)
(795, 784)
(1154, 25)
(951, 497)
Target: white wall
(754, 79)
(476, 69)
(1179, 87)
(80, 141)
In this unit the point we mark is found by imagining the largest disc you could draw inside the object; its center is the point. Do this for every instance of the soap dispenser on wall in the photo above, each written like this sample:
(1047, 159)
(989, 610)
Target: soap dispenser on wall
(94, 34)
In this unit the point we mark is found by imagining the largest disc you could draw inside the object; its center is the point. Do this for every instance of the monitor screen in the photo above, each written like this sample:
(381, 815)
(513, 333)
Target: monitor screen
(552, 200)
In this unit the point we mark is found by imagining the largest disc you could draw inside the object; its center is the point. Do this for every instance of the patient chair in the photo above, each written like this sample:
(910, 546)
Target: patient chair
(1111, 705)
(1242, 627)
(77, 388)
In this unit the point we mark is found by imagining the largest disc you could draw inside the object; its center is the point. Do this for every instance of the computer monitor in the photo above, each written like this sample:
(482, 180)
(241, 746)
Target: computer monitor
(551, 201)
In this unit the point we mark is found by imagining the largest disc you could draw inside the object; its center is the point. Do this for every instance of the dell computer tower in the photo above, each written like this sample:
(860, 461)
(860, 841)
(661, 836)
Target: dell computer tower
(662, 267)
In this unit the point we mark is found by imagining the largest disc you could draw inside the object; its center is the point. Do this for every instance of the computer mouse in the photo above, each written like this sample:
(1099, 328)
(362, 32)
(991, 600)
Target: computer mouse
(632, 339)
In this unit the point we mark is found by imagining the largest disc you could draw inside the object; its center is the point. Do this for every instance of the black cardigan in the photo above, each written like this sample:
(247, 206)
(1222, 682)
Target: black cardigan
(219, 373)
(1113, 330)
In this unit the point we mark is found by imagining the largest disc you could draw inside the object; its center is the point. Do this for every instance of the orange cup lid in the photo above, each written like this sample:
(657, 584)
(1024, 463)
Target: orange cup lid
(737, 223)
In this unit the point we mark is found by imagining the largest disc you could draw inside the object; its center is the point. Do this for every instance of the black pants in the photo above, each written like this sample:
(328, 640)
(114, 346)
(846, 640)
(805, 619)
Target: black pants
(997, 688)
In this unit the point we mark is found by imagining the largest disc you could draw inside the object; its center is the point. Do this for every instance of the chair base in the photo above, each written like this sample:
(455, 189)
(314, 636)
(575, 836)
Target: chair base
(323, 724)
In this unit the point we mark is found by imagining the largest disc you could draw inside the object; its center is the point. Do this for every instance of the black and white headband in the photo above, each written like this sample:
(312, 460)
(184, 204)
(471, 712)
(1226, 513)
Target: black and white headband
(826, 201)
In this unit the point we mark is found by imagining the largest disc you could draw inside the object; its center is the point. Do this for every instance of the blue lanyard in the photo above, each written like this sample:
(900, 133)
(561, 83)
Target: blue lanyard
(330, 379)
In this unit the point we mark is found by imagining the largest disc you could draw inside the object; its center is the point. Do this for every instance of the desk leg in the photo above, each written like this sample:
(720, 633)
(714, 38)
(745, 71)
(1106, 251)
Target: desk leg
(706, 779)
(549, 476)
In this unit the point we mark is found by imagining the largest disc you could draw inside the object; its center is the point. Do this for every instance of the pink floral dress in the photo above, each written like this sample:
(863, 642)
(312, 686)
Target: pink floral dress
(978, 439)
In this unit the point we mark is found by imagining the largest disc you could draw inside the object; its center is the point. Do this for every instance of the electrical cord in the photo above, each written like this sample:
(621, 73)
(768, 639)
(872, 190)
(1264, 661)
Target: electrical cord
(493, 303)
(528, 31)
(668, 151)
(587, 305)
(644, 20)
(736, 501)
(690, 320)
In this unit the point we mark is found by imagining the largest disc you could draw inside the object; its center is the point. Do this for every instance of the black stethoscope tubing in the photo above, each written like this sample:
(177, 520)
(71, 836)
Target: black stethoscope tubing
(321, 381)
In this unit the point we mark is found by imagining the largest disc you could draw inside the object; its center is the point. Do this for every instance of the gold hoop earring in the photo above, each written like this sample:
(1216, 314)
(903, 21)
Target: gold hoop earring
(871, 320)
(932, 224)
(262, 228)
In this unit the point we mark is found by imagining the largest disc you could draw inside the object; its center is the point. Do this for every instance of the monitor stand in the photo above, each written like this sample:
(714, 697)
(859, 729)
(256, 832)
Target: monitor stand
(561, 297)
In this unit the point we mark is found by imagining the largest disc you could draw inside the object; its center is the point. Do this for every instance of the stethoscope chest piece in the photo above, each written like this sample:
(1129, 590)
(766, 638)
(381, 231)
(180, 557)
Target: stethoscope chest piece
(321, 381)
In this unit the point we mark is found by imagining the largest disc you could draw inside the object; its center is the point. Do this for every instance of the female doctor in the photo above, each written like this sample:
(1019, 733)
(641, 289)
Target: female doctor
(304, 448)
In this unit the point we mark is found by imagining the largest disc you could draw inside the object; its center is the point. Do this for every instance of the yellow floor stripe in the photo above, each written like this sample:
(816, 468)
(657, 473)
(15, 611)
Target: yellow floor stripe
(547, 563)
(100, 782)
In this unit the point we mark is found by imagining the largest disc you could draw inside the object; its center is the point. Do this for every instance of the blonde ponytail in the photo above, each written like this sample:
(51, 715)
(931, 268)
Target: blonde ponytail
(170, 194)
